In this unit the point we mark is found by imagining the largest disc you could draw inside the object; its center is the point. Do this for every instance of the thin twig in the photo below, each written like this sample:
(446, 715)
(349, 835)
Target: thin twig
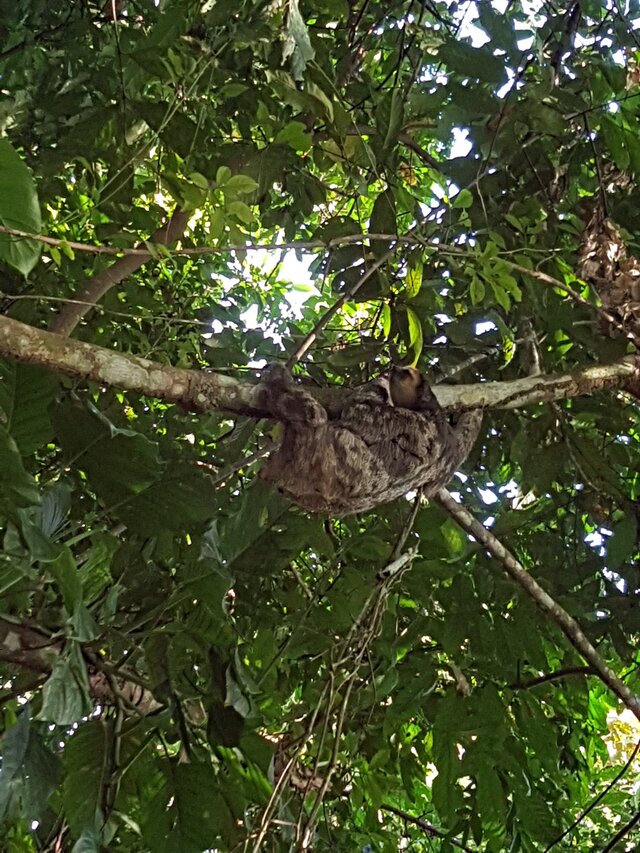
(337, 305)
(407, 527)
(625, 830)
(191, 251)
(554, 282)
(598, 799)
(427, 827)
(549, 677)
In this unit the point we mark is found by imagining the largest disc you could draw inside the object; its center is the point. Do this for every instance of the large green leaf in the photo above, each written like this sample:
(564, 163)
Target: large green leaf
(83, 760)
(190, 813)
(17, 487)
(65, 698)
(127, 471)
(26, 393)
(260, 507)
(119, 462)
(182, 498)
(30, 772)
(383, 221)
(19, 209)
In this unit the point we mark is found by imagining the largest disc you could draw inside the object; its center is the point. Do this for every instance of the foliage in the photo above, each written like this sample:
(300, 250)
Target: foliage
(420, 706)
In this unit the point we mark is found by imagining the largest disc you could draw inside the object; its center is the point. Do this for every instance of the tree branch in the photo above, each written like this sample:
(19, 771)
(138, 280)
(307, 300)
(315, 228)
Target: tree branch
(337, 305)
(29, 648)
(166, 234)
(518, 573)
(549, 677)
(225, 249)
(201, 391)
(424, 825)
(96, 287)
(193, 389)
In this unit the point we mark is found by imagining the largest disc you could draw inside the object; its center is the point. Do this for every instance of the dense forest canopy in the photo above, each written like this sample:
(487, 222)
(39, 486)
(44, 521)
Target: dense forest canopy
(191, 189)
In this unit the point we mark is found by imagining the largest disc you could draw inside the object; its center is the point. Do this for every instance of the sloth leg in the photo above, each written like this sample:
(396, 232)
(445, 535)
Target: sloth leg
(287, 402)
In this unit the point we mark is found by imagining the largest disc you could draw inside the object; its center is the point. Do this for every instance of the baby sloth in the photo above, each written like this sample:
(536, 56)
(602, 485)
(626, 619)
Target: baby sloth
(391, 437)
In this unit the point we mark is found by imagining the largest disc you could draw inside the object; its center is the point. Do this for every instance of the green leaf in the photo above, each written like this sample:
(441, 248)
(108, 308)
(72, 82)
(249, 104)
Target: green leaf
(383, 221)
(126, 471)
(217, 223)
(415, 335)
(225, 725)
(17, 487)
(65, 697)
(476, 290)
(182, 498)
(232, 90)
(446, 793)
(501, 296)
(26, 393)
(508, 283)
(41, 548)
(297, 44)
(30, 772)
(621, 545)
(316, 92)
(19, 209)
(455, 538)
(222, 175)
(463, 200)
(259, 507)
(65, 571)
(396, 117)
(190, 813)
(491, 806)
(56, 506)
(83, 759)
(84, 627)
(385, 319)
(615, 140)
(413, 279)
(13, 748)
(296, 136)
(513, 220)
(479, 63)
(120, 463)
(199, 180)
(242, 211)
(67, 250)
(633, 147)
(241, 184)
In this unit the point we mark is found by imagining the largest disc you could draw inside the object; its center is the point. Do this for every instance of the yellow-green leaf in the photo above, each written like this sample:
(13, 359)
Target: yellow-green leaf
(476, 290)
(415, 335)
(463, 200)
(413, 280)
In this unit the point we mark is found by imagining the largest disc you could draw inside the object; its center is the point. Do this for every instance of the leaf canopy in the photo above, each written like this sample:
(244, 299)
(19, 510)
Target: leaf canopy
(189, 663)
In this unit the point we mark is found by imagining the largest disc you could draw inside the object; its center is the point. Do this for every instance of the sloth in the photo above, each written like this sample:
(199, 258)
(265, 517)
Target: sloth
(391, 437)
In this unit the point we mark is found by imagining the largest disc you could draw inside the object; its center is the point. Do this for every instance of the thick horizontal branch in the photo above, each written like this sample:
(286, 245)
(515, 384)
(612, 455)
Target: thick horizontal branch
(202, 391)
(192, 389)
(542, 388)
